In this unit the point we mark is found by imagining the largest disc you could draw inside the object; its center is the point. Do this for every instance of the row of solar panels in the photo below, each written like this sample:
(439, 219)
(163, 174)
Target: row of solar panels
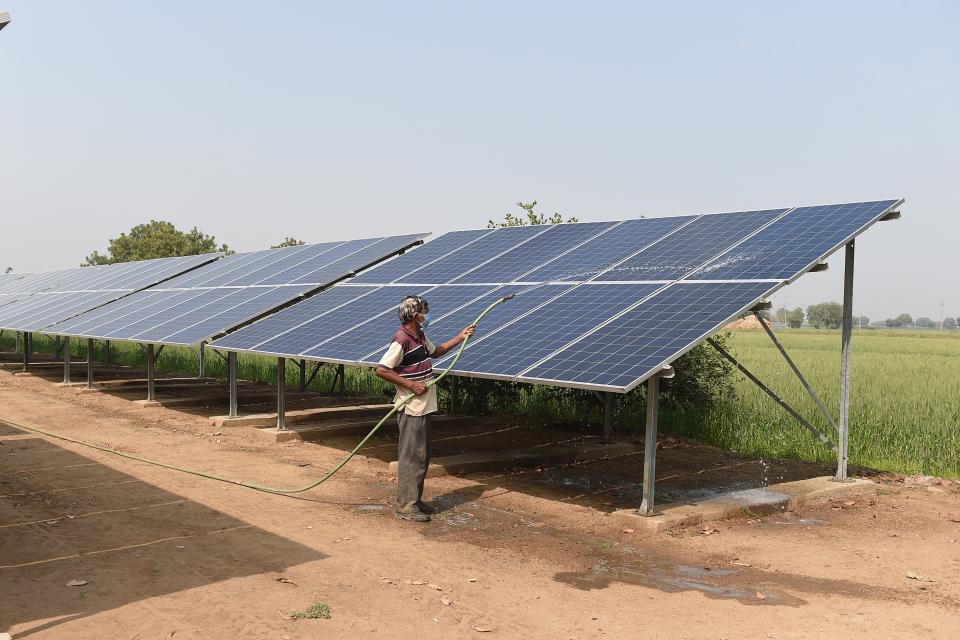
(598, 305)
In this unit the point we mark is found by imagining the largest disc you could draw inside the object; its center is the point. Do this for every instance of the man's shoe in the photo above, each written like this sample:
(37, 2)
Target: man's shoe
(413, 515)
(426, 508)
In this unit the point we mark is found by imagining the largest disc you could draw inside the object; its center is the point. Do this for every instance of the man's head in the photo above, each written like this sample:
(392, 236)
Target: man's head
(413, 309)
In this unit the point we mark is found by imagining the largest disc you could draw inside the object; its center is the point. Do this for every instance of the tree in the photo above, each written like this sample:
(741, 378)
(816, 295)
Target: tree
(925, 323)
(795, 318)
(288, 242)
(949, 323)
(826, 315)
(861, 321)
(156, 239)
(904, 320)
(781, 315)
(529, 216)
(765, 314)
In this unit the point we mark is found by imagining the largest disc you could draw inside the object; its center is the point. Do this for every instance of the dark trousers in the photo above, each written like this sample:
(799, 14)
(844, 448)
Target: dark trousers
(413, 458)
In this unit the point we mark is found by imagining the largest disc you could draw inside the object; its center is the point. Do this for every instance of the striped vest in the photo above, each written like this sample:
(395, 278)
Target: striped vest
(416, 364)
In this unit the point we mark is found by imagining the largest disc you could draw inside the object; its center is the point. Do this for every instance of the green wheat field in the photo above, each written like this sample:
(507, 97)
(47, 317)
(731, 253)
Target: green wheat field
(905, 405)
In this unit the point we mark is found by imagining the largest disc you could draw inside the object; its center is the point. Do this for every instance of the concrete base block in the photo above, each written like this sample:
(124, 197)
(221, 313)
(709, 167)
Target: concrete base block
(89, 390)
(771, 499)
(310, 432)
(303, 415)
(23, 373)
(147, 404)
(532, 457)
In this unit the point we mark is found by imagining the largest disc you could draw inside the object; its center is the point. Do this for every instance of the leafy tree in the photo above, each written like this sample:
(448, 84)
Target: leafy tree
(826, 315)
(949, 323)
(781, 314)
(529, 216)
(795, 318)
(904, 320)
(861, 321)
(925, 323)
(288, 242)
(156, 239)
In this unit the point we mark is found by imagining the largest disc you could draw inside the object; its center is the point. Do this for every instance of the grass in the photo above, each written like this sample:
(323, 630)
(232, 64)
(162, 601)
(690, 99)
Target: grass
(317, 610)
(905, 400)
(905, 404)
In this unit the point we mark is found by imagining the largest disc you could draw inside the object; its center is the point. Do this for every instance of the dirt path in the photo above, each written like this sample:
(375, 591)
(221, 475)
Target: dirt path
(166, 555)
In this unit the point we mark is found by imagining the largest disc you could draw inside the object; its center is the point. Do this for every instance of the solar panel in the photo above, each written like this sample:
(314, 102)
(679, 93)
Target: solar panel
(675, 255)
(598, 305)
(43, 299)
(212, 300)
(635, 344)
(510, 349)
(795, 242)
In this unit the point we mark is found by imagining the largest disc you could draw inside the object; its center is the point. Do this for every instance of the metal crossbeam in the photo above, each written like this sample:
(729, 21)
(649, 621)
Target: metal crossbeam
(799, 418)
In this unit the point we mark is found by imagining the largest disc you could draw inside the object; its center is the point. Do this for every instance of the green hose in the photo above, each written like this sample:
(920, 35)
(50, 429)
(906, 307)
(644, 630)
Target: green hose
(262, 487)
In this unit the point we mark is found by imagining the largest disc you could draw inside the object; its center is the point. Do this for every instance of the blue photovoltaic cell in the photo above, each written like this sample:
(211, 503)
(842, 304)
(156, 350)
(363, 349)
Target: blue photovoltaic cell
(451, 266)
(679, 253)
(78, 326)
(357, 260)
(795, 242)
(170, 306)
(379, 330)
(283, 321)
(231, 291)
(301, 339)
(393, 270)
(223, 318)
(602, 252)
(527, 298)
(633, 346)
(52, 297)
(531, 254)
(539, 333)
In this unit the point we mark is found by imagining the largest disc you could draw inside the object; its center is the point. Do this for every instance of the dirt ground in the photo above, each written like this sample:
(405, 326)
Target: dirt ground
(522, 554)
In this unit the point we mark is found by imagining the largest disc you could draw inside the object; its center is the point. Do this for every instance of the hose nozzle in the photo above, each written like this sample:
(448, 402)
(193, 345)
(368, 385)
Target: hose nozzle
(505, 298)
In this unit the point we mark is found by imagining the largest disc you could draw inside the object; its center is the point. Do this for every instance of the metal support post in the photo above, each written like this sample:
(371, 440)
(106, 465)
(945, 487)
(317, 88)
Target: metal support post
(845, 362)
(202, 361)
(106, 353)
(66, 360)
(340, 372)
(232, 382)
(16, 346)
(609, 405)
(89, 363)
(650, 446)
(303, 375)
(151, 365)
(26, 351)
(281, 392)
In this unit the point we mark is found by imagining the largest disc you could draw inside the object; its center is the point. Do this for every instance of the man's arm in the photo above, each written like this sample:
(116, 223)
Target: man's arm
(447, 346)
(392, 376)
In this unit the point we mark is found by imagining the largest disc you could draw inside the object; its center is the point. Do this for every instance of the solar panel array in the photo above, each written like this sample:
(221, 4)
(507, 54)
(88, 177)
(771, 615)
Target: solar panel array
(33, 302)
(600, 305)
(210, 301)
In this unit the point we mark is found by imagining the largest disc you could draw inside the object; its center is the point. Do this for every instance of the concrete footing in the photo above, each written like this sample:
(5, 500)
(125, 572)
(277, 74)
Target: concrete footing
(303, 415)
(147, 404)
(310, 432)
(774, 498)
(531, 457)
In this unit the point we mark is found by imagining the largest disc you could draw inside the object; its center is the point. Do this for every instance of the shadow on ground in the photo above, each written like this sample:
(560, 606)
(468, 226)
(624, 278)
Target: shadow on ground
(66, 517)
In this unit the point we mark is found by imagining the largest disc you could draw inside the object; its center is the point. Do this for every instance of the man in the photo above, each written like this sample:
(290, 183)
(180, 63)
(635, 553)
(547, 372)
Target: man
(408, 364)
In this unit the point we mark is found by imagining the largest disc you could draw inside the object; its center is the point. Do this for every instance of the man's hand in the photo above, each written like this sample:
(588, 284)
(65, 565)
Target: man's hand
(466, 333)
(418, 388)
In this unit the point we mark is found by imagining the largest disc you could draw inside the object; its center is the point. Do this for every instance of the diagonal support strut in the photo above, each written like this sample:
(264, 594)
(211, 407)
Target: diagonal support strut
(799, 418)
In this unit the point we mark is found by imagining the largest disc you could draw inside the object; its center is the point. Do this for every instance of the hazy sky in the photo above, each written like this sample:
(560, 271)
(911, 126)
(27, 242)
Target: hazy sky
(254, 121)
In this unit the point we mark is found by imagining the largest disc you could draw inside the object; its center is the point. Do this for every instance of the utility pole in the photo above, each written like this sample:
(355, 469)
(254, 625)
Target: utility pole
(941, 316)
